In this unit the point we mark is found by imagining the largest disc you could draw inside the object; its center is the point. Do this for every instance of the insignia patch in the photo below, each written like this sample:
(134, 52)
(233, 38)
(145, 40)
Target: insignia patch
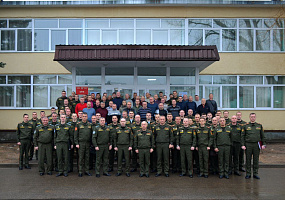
(66, 128)
(107, 129)
(58, 129)
(139, 134)
(205, 131)
(89, 126)
(158, 129)
(189, 132)
(49, 129)
(126, 131)
(81, 127)
(148, 134)
(41, 130)
(166, 129)
(100, 129)
(29, 127)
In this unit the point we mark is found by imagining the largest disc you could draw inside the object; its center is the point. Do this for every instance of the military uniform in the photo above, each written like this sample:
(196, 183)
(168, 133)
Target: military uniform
(32, 146)
(214, 163)
(195, 152)
(129, 123)
(163, 135)
(54, 157)
(24, 135)
(186, 138)
(237, 131)
(253, 133)
(204, 139)
(175, 154)
(135, 128)
(123, 139)
(82, 137)
(144, 141)
(43, 139)
(102, 138)
(71, 151)
(112, 151)
(241, 153)
(62, 138)
(223, 141)
(59, 102)
(73, 105)
(153, 155)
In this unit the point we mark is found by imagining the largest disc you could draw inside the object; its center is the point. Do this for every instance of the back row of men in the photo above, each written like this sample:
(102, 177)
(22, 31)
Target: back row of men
(152, 141)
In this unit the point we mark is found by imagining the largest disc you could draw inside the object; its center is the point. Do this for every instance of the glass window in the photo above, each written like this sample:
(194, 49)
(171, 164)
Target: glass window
(46, 23)
(69, 90)
(2, 79)
(92, 36)
(225, 79)
(126, 37)
(55, 92)
(143, 36)
(195, 37)
(181, 90)
(19, 79)
(95, 90)
(57, 37)
(119, 75)
(40, 97)
(122, 23)
(274, 23)
(7, 40)
(97, 23)
(64, 79)
(279, 96)
(274, 80)
(70, 23)
(3, 23)
(229, 40)
(182, 76)
(278, 39)
(177, 37)
(23, 96)
(229, 96)
(200, 23)
(27, 23)
(109, 37)
(148, 23)
(75, 37)
(160, 37)
(88, 76)
(246, 40)
(263, 97)
(250, 80)
(246, 96)
(172, 23)
(24, 40)
(212, 37)
(41, 40)
(44, 79)
(215, 90)
(7, 96)
(263, 40)
(225, 23)
(205, 79)
(250, 23)
(151, 75)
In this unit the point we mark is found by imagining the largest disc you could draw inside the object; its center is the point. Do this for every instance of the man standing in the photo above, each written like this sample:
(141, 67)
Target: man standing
(142, 111)
(43, 138)
(137, 106)
(102, 110)
(35, 121)
(102, 141)
(118, 100)
(112, 127)
(241, 153)
(144, 144)
(80, 106)
(161, 111)
(197, 101)
(113, 112)
(212, 104)
(123, 142)
(71, 152)
(181, 103)
(164, 141)
(203, 108)
(253, 139)
(74, 103)
(135, 127)
(82, 140)
(174, 109)
(63, 135)
(60, 100)
(186, 142)
(152, 105)
(222, 145)
(191, 105)
(90, 111)
(24, 137)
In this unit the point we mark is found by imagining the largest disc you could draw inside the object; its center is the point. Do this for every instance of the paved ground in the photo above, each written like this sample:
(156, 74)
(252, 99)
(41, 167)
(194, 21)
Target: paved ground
(27, 184)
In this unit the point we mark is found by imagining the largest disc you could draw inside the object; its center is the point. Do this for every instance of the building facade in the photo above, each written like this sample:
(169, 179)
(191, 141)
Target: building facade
(249, 77)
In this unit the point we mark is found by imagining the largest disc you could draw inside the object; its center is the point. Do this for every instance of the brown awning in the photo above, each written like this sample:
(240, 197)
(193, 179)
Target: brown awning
(135, 53)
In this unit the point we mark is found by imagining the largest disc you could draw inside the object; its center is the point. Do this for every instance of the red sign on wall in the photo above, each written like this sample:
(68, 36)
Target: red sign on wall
(81, 90)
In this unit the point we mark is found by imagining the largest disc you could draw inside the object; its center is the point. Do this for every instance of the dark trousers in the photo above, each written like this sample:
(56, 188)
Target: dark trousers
(62, 157)
(144, 158)
(252, 152)
(84, 153)
(45, 151)
(24, 149)
(162, 150)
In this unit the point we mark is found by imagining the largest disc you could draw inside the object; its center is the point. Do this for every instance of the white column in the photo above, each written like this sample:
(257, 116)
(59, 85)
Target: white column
(73, 78)
(197, 81)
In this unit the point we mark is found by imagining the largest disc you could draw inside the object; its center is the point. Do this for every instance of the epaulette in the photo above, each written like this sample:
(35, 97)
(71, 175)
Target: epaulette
(118, 127)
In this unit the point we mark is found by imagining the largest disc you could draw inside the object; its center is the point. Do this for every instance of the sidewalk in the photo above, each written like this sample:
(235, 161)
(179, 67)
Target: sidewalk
(272, 156)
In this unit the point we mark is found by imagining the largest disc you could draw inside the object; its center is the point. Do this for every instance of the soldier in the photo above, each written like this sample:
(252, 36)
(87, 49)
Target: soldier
(209, 119)
(252, 140)
(144, 144)
(42, 115)
(123, 142)
(54, 121)
(186, 142)
(149, 121)
(60, 100)
(35, 121)
(131, 119)
(170, 121)
(214, 163)
(190, 114)
(52, 110)
(195, 125)
(135, 128)
(204, 142)
(226, 116)
(24, 137)
(82, 139)
(112, 127)
(237, 131)
(68, 115)
(71, 151)
(222, 145)
(63, 135)
(163, 135)
(102, 141)
(92, 157)
(175, 154)
(43, 138)
(74, 103)
(241, 153)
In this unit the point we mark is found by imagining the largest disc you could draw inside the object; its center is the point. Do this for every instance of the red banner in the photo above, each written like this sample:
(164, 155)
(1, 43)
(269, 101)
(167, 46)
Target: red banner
(81, 90)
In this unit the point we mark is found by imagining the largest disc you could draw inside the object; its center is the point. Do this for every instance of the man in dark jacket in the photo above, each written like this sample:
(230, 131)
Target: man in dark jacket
(203, 108)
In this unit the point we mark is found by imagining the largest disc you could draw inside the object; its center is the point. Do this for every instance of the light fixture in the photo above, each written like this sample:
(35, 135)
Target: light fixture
(151, 79)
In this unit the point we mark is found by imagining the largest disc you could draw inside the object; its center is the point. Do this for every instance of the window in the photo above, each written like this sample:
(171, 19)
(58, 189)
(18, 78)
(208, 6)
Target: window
(109, 37)
(263, 97)
(250, 79)
(3, 23)
(44, 79)
(212, 37)
(40, 96)
(20, 23)
(246, 40)
(274, 80)
(143, 36)
(7, 40)
(229, 96)
(229, 40)
(23, 94)
(246, 97)
(182, 76)
(74, 37)
(160, 37)
(215, 90)
(148, 23)
(2, 79)
(224, 79)
(55, 92)
(262, 40)
(24, 40)
(119, 76)
(19, 79)
(181, 90)
(177, 37)
(6, 96)
(205, 79)
(195, 37)
(151, 75)
(126, 37)
(70, 23)
(92, 37)
(41, 40)
(88, 76)
(121, 23)
(200, 23)
(57, 37)
(279, 96)
(46, 23)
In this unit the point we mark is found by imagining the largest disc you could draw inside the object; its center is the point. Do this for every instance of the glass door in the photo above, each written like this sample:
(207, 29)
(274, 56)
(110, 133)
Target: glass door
(122, 89)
